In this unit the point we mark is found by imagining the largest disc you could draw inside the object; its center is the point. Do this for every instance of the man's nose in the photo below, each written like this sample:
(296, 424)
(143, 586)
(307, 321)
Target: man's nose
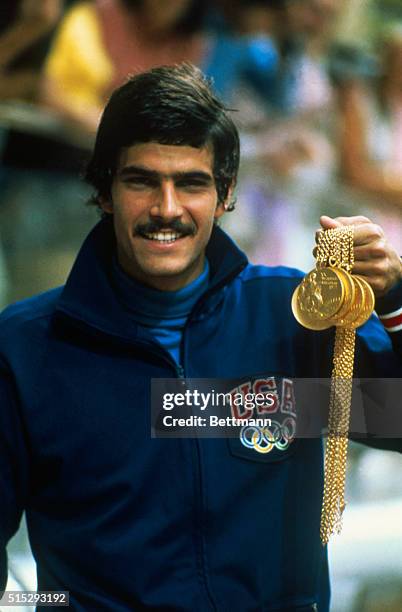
(167, 204)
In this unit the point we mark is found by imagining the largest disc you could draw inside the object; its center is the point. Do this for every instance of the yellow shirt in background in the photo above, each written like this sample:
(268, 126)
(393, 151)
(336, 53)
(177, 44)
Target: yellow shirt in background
(78, 64)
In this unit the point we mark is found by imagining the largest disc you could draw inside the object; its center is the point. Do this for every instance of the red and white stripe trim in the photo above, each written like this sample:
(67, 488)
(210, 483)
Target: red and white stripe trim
(392, 321)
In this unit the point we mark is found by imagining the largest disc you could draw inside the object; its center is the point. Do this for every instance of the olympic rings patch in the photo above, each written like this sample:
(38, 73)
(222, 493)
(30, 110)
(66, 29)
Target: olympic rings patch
(265, 439)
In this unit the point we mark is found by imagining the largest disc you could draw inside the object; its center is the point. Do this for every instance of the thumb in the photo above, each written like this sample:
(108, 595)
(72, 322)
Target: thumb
(329, 223)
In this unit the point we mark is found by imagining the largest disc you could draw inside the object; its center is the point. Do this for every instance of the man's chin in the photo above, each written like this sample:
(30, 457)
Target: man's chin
(169, 278)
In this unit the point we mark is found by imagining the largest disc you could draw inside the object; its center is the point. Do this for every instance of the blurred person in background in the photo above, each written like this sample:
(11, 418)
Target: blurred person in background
(371, 135)
(299, 31)
(294, 146)
(308, 32)
(100, 43)
(252, 17)
(39, 156)
(26, 27)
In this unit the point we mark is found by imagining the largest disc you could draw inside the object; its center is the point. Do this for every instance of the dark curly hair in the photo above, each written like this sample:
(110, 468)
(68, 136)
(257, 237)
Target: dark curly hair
(171, 105)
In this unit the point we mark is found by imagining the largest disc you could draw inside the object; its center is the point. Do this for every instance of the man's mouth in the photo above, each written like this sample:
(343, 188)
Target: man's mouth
(163, 237)
(165, 233)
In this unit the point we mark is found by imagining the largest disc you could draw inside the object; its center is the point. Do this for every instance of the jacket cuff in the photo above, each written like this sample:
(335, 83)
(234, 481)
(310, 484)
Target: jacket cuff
(389, 309)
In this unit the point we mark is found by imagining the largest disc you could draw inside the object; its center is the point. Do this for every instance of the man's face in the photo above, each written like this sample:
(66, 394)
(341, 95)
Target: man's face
(161, 16)
(164, 203)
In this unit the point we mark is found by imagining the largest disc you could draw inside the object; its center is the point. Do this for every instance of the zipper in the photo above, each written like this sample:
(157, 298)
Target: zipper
(199, 478)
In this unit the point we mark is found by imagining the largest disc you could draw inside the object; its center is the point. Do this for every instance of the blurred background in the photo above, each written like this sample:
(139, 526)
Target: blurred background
(316, 90)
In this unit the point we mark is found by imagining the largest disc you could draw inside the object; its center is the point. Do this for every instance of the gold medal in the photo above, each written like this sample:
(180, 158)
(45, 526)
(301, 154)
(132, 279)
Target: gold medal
(309, 322)
(349, 298)
(368, 302)
(351, 312)
(319, 297)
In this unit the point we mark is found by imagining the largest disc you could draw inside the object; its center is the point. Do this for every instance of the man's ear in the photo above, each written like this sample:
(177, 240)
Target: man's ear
(220, 210)
(106, 205)
(222, 207)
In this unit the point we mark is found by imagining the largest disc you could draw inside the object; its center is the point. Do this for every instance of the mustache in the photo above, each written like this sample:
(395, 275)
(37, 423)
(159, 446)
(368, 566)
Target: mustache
(175, 225)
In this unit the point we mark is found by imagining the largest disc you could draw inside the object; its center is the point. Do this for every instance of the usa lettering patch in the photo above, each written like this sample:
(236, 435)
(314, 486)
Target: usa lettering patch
(278, 414)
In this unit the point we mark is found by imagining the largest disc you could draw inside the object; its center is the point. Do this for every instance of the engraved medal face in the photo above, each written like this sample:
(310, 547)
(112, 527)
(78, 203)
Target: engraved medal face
(320, 295)
(316, 325)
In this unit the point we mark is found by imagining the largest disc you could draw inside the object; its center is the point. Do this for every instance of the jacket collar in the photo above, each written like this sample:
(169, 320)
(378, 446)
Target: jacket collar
(89, 296)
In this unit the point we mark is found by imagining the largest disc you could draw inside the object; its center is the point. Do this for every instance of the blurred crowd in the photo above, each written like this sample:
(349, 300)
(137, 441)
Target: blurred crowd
(320, 119)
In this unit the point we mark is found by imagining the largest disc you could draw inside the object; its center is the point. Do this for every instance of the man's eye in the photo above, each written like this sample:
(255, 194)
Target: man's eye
(192, 184)
(140, 181)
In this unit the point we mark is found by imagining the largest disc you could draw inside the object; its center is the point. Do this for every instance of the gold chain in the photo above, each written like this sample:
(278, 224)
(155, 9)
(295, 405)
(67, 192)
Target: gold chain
(329, 295)
(336, 450)
(335, 249)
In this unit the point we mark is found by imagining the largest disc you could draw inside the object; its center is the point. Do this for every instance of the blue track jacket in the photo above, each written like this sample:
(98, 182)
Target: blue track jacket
(126, 522)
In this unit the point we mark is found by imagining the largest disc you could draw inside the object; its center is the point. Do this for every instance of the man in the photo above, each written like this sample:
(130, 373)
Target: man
(123, 521)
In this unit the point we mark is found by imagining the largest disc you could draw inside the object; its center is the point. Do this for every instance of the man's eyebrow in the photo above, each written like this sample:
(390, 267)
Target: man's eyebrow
(145, 172)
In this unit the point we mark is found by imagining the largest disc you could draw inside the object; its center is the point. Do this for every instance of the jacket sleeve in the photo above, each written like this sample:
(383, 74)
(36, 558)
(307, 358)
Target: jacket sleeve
(389, 310)
(13, 466)
(379, 366)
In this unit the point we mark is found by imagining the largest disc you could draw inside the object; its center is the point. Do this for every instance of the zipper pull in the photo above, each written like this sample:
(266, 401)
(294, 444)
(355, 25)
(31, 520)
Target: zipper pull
(180, 371)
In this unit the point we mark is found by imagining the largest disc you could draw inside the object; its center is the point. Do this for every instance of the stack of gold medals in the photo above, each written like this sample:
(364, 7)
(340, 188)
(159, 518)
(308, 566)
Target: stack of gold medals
(330, 295)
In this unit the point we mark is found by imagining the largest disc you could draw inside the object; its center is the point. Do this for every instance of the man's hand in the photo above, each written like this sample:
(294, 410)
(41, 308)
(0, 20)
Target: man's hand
(375, 259)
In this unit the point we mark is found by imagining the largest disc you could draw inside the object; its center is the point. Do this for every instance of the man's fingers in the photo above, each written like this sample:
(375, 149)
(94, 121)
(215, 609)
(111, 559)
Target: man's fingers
(328, 222)
(332, 222)
(364, 232)
(374, 258)
(367, 233)
(375, 274)
(370, 268)
(375, 249)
